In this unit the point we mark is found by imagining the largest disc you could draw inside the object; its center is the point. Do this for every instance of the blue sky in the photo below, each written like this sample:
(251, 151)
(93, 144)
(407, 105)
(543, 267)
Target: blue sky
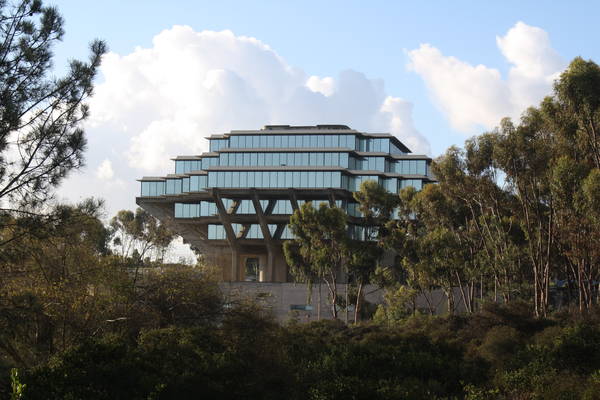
(163, 88)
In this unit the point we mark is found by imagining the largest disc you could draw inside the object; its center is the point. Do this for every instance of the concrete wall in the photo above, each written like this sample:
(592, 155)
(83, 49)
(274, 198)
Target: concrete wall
(278, 299)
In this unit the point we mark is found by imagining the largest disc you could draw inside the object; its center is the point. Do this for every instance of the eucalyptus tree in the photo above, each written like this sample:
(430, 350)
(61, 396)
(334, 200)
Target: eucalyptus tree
(376, 206)
(136, 235)
(320, 246)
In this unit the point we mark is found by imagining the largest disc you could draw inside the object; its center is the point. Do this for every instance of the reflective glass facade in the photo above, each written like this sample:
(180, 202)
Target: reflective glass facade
(274, 160)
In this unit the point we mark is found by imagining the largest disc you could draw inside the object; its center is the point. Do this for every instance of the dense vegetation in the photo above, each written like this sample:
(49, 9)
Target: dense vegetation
(89, 310)
(499, 353)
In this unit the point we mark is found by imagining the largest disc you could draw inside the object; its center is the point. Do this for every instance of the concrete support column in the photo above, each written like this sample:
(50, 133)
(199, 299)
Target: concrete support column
(231, 239)
(264, 227)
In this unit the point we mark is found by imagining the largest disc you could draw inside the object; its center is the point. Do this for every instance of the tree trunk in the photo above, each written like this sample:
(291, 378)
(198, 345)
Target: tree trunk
(358, 302)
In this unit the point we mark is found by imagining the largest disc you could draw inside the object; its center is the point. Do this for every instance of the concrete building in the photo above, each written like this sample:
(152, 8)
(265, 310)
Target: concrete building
(233, 203)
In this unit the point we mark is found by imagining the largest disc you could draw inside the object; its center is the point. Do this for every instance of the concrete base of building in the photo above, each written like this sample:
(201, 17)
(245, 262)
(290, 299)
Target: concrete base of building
(294, 301)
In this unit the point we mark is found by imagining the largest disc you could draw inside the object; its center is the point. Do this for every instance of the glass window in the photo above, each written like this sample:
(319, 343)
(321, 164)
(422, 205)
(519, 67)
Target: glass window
(336, 179)
(277, 141)
(313, 140)
(305, 141)
(421, 167)
(280, 179)
(268, 159)
(235, 179)
(327, 179)
(227, 179)
(244, 179)
(261, 159)
(413, 167)
(285, 141)
(296, 179)
(272, 179)
(257, 179)
(312, 159)
(251, 179)
(343, 160)
(321, 140)
(312, 179)
(185, 185)
(263, 141)
(304, 179)
(304, 160)
(329, 141)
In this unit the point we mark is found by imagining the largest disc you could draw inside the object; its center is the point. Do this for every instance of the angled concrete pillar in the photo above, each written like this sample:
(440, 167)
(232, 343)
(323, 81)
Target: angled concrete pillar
(264, 227)
(229, 233)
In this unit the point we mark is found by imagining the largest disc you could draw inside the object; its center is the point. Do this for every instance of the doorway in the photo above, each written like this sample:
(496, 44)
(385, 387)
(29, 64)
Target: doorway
(251, 269)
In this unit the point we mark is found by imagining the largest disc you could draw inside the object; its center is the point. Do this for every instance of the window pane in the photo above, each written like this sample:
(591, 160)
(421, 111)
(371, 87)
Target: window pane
(336, 179)
(304, 179)
(304, 161)
(312, 179)
(327, 179)
(321, 140)
(296, 179)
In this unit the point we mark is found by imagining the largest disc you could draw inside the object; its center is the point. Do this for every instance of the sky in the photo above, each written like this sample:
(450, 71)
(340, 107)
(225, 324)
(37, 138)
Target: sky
(432, 73)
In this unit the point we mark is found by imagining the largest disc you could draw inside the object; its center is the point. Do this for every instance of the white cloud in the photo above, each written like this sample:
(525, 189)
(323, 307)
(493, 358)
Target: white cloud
(325, 86)
(105, 172)
(165, 99)
(475, 97)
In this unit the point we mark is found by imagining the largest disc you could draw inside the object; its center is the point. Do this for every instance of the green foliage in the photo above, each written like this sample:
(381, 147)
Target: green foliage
(137, 234)
(398, 305)
(17, 387)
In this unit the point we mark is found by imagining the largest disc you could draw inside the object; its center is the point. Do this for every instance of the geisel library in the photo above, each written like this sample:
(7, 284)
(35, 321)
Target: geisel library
(233, 203)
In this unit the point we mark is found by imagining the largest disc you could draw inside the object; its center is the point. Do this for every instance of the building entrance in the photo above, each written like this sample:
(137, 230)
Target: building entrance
(251, 269)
